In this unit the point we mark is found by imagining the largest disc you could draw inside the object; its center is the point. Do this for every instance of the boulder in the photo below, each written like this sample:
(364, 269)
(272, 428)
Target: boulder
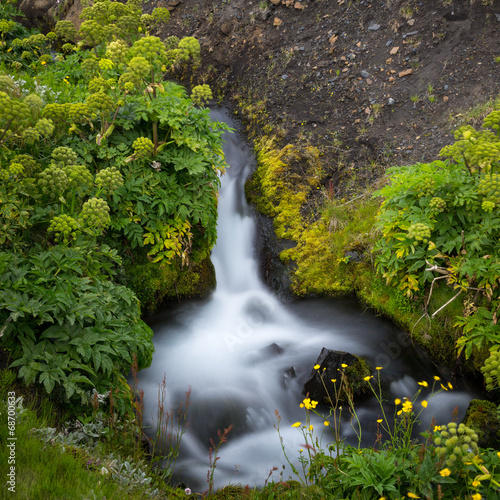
(44, 14)
(330, 368)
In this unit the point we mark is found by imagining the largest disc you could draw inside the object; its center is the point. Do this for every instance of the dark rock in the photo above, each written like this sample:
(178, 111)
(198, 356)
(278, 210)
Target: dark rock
(353, 256)
(226, 28)
(330, 368)
(271, 351)
(274, 272)
(288, 375)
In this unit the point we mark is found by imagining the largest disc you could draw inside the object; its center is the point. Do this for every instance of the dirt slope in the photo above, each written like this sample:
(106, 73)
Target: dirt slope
(383, 77)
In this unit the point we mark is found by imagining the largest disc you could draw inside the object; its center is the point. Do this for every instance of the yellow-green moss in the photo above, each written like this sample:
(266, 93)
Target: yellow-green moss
(283, 182)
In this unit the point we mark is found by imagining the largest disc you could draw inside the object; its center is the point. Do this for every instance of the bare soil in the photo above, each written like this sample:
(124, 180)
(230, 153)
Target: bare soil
(371, 82)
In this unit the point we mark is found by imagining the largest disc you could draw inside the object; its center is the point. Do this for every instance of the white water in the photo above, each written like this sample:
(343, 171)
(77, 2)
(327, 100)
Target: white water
(220, 348)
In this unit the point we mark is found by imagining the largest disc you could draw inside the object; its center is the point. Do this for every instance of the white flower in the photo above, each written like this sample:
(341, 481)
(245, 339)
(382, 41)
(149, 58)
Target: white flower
(187, 491)
(104, 471)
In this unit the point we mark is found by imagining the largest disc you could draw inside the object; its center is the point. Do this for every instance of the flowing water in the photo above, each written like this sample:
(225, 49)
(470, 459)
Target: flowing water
(236, 348)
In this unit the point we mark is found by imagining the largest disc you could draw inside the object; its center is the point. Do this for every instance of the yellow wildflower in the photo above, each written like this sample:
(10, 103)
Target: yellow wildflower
(316, 367)
(311, 427)
(423, 383)
(498, 453)
(344, 365)
(444, 387)
(398, 401)
(326, 423)
(476, 483)
(412, 495)
(379, 421)
(334, 380)
(378, 368)
(301, 450)
(296, 424)
(400, 411)
(407, 406)
(368, 377)
(445, 472)
(436, 377)
(437, 428)
(476, 496)
(424, 404)
(308, 403)
(450, 386)
(43, 63)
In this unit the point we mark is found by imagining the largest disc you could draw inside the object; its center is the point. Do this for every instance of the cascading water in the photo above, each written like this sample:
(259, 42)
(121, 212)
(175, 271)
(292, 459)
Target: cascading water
(236, 350)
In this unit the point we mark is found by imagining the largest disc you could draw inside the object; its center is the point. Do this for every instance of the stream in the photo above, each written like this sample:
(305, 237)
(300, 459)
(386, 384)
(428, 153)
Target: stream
(235, 350)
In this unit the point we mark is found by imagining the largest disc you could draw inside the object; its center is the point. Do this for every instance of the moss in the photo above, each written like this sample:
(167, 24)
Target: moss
(154, 284)
(482, 416)
(355, 375)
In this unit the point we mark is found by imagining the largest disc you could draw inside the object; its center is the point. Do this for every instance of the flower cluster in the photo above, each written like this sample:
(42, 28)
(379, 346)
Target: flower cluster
(308, 404)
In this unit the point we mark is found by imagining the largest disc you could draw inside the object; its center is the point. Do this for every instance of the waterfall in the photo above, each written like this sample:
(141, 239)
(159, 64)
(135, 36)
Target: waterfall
(236, 350)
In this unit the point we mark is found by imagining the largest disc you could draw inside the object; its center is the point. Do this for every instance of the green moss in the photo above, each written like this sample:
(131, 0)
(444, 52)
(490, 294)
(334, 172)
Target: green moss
(355, 375)
(482, 416)
(155, 283)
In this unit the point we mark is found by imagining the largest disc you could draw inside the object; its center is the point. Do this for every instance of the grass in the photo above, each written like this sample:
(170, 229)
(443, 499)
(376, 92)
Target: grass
(46, 471)
(476, 115)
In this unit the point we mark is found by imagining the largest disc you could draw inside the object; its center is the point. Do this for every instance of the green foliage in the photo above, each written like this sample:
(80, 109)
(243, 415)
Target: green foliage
(444, 217)
(75, 327)
(75, 194)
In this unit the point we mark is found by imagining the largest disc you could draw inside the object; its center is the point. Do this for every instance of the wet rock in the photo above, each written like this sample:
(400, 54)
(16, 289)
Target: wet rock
(273, 271)
(330, 368)
(288, 375)
(271, 351)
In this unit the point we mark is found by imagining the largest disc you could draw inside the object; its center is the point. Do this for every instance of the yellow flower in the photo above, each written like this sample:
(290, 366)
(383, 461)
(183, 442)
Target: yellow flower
(445, 472)
(498, 454)
(423, 383)
(296, 424)
(326, 423)
(367, 378)
(436, 377)
(311, 427)
(378, 368)
(412, 495)
(334, 380)
(301, 450)
(316, 367)
(379, 421)
(450, 386)
(407, 406)
(476, 483)
(344, 365)
(43, 63)
(400, 411)
(398, 401)
(443, 387)
(308, 403)
(437, 428)
(476, 496)
(424, 404)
